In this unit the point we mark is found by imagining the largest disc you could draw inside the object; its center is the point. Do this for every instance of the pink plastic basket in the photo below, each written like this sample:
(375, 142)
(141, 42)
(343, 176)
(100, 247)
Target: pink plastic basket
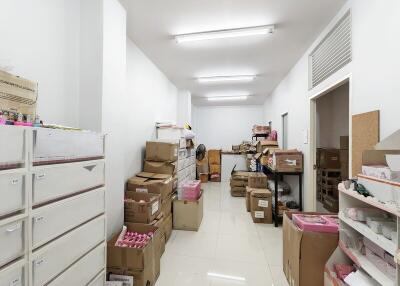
(191, 190)
(316, 223)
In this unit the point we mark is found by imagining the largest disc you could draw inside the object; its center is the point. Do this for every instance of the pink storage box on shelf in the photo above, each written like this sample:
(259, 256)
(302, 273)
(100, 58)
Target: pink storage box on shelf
(191, 190)
(316, 223)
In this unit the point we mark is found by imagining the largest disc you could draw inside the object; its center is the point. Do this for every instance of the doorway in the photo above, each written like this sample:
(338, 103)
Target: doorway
(329, 148)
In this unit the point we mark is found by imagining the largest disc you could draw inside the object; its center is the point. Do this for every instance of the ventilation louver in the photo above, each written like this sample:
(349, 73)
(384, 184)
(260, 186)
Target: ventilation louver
(332, 53)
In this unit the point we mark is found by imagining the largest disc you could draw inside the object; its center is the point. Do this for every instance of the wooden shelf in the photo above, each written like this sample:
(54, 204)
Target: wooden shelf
(367, 266)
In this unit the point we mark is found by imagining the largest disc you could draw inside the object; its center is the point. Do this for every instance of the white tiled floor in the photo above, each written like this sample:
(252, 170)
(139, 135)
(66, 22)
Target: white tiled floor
(229, 249)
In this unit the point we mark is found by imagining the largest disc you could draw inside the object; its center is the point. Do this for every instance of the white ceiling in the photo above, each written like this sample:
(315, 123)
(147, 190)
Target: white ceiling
(151, 24)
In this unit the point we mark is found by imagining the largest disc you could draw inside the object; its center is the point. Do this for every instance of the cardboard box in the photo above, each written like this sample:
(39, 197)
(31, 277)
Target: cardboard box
(344, 142)
(215, 169)
(169, 168)
(264, 160)
(238, 191)
(287, 160)
(161, 151)
(167, 227)
(141, 212)
(328, 158)
(142, 264)
(238, 183)
(257, 180)
(305, 253)
(188, 214)
(204, 177)
(248, 193)
(166, 205)
(260, 205)
(143, 182)
(214, 157)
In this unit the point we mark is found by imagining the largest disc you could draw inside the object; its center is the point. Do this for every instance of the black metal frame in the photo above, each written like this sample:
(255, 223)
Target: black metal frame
(279, 176)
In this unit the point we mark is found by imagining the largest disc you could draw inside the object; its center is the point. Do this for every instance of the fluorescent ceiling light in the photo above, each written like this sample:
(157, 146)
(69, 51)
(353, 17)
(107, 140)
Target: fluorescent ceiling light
(227, 98)
(222, 34)
(229, 277)
(226, 78)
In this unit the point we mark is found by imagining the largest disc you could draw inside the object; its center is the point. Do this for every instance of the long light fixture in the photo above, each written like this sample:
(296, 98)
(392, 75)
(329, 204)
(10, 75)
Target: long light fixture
(217, 79)
(222, 34)
(227, 98)
(228, 277)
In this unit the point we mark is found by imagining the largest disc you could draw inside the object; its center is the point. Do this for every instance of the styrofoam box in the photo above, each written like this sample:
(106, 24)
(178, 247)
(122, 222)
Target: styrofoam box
(76, 177)
(52, 220)
(14, 274)
(83, 271)
(54, 258)
(12, 241)
(11, 145)
(12, 188)
(63, 145)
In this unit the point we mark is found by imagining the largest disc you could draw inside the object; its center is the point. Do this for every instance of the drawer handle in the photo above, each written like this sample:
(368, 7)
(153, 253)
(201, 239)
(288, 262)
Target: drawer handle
(13, 228)
(90, 168)
(14, 181)
(16, 281)
(38, 219)
(40, 176)
(39, 262)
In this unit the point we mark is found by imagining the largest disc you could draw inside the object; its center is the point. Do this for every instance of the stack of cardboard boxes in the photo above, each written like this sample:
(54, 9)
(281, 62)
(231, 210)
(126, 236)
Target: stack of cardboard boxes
(259, 198)
(239, 182)
(214, 163)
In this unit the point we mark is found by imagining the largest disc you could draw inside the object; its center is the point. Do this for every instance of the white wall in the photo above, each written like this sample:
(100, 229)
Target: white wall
(151, 97)
(184, 107)
(374, 73)
(224, 126)
(40, 39)
(332, 117)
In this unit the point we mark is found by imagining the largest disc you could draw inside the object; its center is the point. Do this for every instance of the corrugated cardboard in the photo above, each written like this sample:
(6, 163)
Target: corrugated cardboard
(188, 214)
(248, 193)
(161, 184)
(328, 158)
(257, 180)
(215, 169)
(260, 205)
(305, 253)
(142, 264)
(287, 160)
(214, 157)
(141, 212)
(167, 226)
(169, 168)
(166, 205)
(238, 183)
(161, 151)
(344, 142)
(238, 191)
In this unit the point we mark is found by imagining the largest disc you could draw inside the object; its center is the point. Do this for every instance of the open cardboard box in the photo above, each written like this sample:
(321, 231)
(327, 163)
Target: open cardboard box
(305, 253)
(142, 264)
(385, 154)
(144, 182)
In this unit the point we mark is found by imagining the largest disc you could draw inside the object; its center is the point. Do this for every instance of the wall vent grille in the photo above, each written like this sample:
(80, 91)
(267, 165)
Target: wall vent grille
(332, 53)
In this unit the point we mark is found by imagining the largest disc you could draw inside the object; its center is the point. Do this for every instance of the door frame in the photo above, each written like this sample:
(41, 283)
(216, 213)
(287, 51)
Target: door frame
(311, 196)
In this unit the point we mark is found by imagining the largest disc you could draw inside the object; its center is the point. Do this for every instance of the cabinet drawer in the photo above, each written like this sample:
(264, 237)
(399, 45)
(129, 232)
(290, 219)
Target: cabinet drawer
(83, 271)
(54, 258)
(51, 145)
(15, 274)
(75, 177)
(55, 219)
(12, 242)
(11, 146)
(12, 188)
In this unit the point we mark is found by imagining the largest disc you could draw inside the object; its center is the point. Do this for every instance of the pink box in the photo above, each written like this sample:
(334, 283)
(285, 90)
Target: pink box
(191, 190)
(316, 223)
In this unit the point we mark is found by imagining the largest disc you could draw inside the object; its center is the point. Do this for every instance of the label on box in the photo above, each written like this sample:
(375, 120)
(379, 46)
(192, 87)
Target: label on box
(263, 203)
(141, 190)
(125, 279)
(16, 281)
(259, 214)
(154, 207)
(290, 162)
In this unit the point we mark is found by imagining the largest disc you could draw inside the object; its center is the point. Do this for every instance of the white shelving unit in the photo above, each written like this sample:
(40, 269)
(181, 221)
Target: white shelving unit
(348, 198)
(52, 211)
